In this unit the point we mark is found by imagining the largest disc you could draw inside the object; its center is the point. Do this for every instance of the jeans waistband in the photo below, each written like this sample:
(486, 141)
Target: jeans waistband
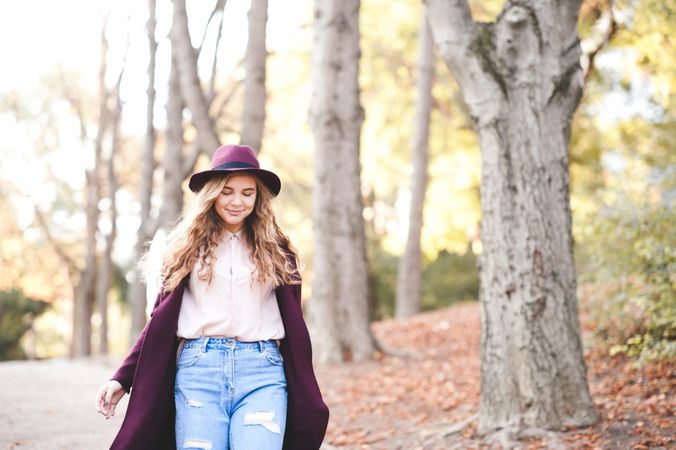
(218, 343)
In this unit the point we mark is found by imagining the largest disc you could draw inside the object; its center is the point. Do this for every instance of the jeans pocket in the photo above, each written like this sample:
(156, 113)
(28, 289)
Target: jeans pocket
(188, 357)
(273, 356)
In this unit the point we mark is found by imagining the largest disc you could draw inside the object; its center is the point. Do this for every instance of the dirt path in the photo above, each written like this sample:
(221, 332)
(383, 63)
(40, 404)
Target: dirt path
(406, 400)
(49, 405)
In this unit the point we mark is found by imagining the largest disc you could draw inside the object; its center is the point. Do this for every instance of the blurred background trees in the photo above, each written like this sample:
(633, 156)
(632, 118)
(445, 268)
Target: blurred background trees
(621, 152)
(623, 180)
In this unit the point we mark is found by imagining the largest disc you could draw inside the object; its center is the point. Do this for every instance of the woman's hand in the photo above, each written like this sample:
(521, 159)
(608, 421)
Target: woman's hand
(108, 396)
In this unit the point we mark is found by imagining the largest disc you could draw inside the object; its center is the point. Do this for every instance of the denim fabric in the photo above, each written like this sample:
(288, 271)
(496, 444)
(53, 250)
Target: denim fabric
(230, 395)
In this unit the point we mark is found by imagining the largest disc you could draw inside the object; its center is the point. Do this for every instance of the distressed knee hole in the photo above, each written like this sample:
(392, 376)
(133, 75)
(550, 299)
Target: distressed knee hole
(263, 418)
(193, 403)
(197, 443)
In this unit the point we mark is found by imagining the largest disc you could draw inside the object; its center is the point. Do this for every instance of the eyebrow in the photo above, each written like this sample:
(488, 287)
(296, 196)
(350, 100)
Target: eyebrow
(245, 189)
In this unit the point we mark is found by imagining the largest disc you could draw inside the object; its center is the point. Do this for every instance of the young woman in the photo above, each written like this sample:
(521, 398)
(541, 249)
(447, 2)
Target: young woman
(225, 360)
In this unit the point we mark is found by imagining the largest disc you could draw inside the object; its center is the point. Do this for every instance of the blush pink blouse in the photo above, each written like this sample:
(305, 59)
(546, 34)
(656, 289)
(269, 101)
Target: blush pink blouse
(232, 305)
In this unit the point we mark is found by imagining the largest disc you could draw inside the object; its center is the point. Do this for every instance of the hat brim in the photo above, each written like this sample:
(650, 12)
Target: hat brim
(270, 179)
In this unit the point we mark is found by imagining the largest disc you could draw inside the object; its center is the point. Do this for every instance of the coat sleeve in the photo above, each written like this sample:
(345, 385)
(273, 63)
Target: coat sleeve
(125, 373)
(307, 414)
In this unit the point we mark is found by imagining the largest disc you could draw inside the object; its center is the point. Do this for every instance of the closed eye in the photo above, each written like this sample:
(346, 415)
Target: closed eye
(246, 192)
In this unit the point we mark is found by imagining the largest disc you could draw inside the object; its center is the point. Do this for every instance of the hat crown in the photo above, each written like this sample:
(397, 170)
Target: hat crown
(234, 157)
(229, 159)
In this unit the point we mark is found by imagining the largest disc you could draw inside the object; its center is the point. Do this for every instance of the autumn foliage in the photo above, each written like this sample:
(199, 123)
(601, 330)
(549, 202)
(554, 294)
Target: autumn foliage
(418, 396)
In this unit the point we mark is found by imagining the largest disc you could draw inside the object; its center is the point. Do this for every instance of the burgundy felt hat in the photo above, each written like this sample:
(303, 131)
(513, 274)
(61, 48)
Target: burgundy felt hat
(235, 158)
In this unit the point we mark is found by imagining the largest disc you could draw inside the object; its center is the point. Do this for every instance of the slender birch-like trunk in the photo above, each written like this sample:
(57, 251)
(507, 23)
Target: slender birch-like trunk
(339, 304)
(522, 81)
(173, 162)
(105, 273)
(86, 291)
(137, 298)
(81, 344)
(409, 275)
(253, 115)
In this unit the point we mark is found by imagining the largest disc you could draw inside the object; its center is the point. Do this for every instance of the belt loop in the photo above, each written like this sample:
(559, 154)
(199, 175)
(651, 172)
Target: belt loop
(205, 341)
(261, 348)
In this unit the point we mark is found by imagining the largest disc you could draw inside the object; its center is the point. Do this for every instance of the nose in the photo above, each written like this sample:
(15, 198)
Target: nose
(236, 199)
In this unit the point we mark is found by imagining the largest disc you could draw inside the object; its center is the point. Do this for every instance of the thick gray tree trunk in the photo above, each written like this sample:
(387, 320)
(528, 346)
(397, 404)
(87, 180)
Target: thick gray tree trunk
(522, 81)
(137, 299)
(409, 274)
(338, 308)
(253, 115)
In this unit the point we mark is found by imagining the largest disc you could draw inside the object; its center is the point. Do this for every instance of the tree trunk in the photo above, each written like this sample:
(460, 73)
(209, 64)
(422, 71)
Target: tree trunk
(339, 308)
(105, 273)
(173, 162)
(86, 292)
(137, 298)
(191, 89)
(253, 116)
(521, 80)
(410, 270)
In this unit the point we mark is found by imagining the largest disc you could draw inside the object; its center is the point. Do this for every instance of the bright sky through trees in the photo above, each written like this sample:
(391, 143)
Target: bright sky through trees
(45, 38)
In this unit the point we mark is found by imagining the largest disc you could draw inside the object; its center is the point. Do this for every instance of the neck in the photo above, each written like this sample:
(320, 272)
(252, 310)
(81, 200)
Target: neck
(234, 230)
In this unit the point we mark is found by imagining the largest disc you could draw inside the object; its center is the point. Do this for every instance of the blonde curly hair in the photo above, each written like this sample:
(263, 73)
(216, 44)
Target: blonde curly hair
(197, 233)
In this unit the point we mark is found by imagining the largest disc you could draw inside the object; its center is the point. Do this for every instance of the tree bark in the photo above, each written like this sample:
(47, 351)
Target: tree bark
(105, 273)
(410, 270)
(191, 89)
(253, 115)
(339, 308)
(137, 299)
(219, 8)
(522, 81)
(86, 292)
(173, 162)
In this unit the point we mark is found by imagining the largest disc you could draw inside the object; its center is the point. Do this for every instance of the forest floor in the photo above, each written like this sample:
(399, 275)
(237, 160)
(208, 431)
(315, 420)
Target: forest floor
(427, 397)
(423, 395)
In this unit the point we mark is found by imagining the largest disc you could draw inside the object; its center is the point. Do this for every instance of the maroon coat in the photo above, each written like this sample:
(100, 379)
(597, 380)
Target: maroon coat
(151, 368)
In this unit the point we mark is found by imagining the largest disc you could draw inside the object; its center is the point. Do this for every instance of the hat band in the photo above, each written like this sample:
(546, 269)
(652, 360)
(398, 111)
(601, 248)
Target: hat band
(235, 165)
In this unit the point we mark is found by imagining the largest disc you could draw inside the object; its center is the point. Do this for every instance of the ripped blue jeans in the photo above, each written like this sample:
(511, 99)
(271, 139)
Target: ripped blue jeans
(230, 395)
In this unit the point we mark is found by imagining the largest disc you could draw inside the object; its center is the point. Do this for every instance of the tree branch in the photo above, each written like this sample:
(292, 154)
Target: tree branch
(214, 63)
(568, 13)
(468, 49)
(191, 158)
(226, 100)
(58, 248)
(219, 6)
(602, 39)
(452, 26)
(191, 90)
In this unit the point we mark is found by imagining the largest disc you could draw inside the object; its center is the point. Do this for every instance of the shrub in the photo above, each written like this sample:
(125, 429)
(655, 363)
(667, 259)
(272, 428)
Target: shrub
(630, 274)
(17, 313)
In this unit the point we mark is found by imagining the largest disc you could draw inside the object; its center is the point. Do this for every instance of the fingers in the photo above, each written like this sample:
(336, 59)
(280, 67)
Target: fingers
(108, 397)
(103, 401)
(109, 405)
(113, 404)
(100, 400)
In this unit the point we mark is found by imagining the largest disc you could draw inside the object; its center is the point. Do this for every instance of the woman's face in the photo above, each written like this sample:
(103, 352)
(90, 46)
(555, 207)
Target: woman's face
(236, 201)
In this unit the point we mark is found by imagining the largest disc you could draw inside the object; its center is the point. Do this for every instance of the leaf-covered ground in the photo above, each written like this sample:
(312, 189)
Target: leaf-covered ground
(409, 401)
(421, 397)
